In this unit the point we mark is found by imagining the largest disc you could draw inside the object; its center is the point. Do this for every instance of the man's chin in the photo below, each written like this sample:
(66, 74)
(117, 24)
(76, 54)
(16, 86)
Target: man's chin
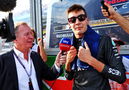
(30, 46)
(80, 32)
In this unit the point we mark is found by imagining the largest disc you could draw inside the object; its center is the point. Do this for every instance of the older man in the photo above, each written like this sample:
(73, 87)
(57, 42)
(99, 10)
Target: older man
(23, 69)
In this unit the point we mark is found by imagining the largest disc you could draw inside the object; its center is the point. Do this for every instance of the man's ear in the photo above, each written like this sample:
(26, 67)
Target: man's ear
(88, 20)
(15, 40)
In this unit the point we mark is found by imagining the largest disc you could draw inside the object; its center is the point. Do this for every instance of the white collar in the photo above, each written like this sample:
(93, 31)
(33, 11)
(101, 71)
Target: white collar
(19, 53)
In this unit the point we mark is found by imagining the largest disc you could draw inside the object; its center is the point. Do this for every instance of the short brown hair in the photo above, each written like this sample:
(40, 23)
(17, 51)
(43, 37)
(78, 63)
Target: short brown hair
(76, 7)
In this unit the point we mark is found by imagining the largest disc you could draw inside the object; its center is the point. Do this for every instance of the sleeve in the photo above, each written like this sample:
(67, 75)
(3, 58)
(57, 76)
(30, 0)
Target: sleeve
(69, 75)
(114, 68)
(51, 73)
(42, 68)
(57, 68)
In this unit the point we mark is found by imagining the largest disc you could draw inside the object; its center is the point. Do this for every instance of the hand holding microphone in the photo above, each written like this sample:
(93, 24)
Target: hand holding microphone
(64, 46)
(60, 60)
(111, 13)
(105, 7)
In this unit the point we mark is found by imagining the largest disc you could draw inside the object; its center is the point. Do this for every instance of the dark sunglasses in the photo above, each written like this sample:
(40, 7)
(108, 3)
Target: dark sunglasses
(80, 17)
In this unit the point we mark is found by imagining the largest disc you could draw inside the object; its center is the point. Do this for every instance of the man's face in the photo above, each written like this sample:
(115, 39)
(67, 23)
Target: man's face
(24, 37)
(78, 26)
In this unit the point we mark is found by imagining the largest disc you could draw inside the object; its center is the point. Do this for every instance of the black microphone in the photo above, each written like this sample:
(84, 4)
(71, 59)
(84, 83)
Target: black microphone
(104, 6)
(7, 5)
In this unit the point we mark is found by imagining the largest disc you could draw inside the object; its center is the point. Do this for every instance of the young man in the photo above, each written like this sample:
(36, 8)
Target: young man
(92, 59)
(120, 20)
(23, 69)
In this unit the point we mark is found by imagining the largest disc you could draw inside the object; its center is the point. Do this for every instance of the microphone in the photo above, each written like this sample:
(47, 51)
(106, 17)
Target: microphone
(7, 5)
(64, 45)
(104, 6)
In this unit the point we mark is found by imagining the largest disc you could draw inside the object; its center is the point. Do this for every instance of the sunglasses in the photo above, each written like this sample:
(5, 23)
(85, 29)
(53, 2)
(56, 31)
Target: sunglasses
(80, 17)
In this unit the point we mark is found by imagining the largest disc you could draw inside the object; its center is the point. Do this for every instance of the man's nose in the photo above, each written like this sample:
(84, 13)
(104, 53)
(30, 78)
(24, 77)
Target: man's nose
(77, 21)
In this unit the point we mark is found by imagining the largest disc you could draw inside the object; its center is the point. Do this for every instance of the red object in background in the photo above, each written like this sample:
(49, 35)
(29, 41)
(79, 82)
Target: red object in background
(115, 1)
(60, 84)
(67, 84)
(116, 86)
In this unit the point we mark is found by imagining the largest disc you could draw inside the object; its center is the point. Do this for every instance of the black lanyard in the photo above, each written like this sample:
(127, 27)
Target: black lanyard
(29, 75)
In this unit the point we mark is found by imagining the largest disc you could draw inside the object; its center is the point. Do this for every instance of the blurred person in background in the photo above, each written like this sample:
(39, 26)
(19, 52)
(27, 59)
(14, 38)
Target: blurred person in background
(39, 47)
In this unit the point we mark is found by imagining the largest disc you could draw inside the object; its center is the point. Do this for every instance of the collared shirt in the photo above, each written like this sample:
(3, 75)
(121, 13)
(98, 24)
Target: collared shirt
(23, 78)
(34, 47)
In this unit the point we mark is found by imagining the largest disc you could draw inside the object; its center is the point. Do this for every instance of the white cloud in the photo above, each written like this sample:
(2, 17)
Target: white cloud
(21, 6)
